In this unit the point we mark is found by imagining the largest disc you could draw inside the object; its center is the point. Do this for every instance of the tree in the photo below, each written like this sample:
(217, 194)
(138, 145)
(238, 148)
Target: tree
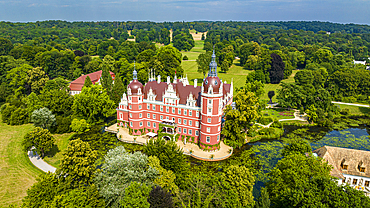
(85, 196)
(17, 77)
(224, 66)
(118, 90)
(41, 193)
(87, 82)
(80, 126)
(106, 79)
(165, 36)
(203, 61)
(159, 198)
(239, 119)
(166, 178)
(171, 158)
(5, 46)
(77, 163)
(136, 195)
(119, 170)
(277, 69)
(93, 104)
(168, 60)
(37, 79)
(236, 187)
(293, 172)
(296, 146)
(271, 94)
(39, 138)
(263, 200)
(43, 118)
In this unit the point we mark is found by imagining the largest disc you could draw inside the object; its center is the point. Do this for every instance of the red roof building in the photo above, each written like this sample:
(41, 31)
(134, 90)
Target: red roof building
(176, 110)
(76, 85)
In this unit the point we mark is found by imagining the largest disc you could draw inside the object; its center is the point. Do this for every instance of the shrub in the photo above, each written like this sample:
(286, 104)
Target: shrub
(277, 124)
(344, 111)
(265, 120)
(185, 58)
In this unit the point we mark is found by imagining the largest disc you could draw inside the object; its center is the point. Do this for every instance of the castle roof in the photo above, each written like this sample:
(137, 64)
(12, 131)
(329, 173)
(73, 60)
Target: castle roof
(77, 84)
(352, 158)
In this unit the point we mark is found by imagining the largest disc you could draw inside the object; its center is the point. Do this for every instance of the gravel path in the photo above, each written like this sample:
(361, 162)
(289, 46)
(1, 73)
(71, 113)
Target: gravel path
(40, 163)
(354, 104)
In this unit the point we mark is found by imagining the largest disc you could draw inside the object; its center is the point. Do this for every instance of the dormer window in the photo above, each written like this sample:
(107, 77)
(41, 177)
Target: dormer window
(361, 167)
(344, 165)
(216, 82)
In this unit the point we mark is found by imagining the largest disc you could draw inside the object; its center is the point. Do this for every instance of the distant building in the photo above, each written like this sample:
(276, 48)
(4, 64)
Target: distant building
(190, 113)
(76, 85)
(350, 166)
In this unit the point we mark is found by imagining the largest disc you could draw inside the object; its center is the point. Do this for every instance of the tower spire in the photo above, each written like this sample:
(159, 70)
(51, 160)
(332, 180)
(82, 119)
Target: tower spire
(213, 65)
(135, 72)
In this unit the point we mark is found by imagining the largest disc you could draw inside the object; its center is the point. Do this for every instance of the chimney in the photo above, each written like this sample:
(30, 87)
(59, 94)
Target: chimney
(159, 79)
(195, 83)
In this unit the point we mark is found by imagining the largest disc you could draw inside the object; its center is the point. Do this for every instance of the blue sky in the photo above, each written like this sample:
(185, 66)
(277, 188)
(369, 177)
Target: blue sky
(343, 11)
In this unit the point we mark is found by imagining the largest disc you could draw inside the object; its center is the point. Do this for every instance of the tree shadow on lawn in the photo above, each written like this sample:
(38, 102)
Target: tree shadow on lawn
(53, 151)
(364, 110)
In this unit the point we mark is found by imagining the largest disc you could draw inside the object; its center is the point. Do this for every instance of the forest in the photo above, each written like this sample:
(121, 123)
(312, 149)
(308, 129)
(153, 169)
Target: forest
(38, 60)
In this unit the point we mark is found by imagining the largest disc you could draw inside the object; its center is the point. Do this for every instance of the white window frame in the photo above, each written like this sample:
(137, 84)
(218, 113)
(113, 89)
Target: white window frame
(131, 123)
(153, 116)
(173, 110)
(208, 129)
(208, 139)
(179, 120)
(148, 115)
(148, 123)
(141, 123)
(196, 133)
(139, 107)
(197, 113)
(179, 111)
(161, 109)
(153, 107)
(140, 115)
(184, 121)
(197, 124)
(148, 106)
(190, 112)
(184, 131)
(167, 109)
(190, 123)
(218, 138)
(161, 117)
(179, 129)
(185, 112)
(154, 125)
(130, 115)
(209, 120)
(190, 132)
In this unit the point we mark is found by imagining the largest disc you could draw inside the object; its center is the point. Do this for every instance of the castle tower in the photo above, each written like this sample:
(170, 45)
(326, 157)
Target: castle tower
(135, 104)
(211, 105)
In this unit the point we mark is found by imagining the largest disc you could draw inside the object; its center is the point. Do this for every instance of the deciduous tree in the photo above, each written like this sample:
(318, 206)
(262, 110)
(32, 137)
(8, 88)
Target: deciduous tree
(43, 118)
(39, 138)
(203, 61)
(136, 195)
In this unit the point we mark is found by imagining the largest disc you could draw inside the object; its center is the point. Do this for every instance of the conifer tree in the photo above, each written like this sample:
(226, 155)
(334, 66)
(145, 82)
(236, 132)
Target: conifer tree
(88, 82)
(106, 79)
(118, 90)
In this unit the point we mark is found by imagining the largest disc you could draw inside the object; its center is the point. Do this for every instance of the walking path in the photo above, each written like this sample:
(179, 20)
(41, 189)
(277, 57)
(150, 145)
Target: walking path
(297, 117)
(221, 154)
(40, 163)
(354, 104)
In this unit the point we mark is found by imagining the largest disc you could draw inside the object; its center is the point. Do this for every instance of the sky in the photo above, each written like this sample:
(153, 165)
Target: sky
(340, 11)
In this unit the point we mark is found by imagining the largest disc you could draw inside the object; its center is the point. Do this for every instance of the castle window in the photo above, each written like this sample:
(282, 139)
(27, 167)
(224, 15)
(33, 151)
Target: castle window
(148, 124)
(218, 138)
(140, 115)
(179, 120)
(148, 106)
(219, 128)
(196, 133)
(185, 112)
(167, 118)
(173, 119)
(344, 180)
(179, 129)
(367, 183)
(154, 125)
(208, 139)
(184, 131)
(209, 120)
(153, 107)
(197, 113)
(148, 115)
(197, 124)
(210, 102)
(131, 123)
(130, 106)
(219, 119)
(153, 116)
(161, 108)
(161, 118)
(190, 123)
(354, 182)
(184, 121)
(173, 110)
(139, 98)
(140, 107)
(129, 98)
(130, 115)
(208, 129)
(190, 131)
(167, 109)
(141, 124)
(209, 110)
(190, 112)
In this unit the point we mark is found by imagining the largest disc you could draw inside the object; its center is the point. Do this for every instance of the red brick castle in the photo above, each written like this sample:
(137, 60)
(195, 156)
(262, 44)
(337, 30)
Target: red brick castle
(177, 110)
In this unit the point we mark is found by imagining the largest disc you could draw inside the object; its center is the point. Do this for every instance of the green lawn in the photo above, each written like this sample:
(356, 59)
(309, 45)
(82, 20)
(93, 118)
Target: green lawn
(274, 113)
(55, 155)
(17, 173)
(236, 72)
(355, 109)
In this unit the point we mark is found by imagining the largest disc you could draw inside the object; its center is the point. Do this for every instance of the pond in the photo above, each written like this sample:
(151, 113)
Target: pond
(268, 152)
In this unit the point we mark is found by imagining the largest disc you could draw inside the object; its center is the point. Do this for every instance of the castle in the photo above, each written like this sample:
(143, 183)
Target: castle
(177, 110)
